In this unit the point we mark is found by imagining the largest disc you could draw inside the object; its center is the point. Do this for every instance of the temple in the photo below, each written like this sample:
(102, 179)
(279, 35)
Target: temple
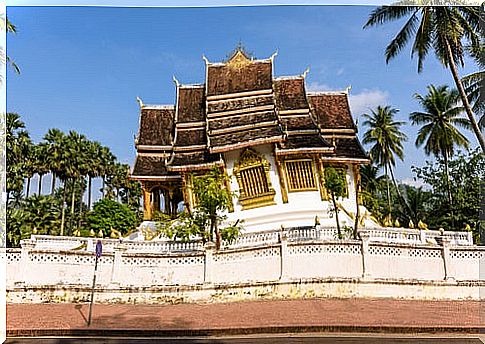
(272, 138)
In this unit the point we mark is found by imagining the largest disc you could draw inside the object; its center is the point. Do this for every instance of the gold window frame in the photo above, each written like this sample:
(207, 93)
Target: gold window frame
(302, 172)
(251, 160)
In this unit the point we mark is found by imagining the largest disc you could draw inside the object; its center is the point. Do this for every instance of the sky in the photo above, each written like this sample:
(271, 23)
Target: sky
(83, 67)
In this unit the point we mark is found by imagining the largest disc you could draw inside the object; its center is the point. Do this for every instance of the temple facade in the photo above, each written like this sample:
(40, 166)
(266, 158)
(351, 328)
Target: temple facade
(268, 134)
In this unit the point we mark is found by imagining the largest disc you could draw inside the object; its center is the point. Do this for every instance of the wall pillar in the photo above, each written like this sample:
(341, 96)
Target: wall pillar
(284, 255)
(422, 236)
(25, 263)
(210, 249)
(147, 208)
(446, 258)
(365, 236)
(116, 273)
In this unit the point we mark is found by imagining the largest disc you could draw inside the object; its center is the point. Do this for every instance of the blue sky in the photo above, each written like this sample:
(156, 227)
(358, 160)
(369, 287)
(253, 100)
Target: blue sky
(83, 67)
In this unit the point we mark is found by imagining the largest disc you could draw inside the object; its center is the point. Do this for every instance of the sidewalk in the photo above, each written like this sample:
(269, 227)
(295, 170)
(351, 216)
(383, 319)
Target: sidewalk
(310, 315)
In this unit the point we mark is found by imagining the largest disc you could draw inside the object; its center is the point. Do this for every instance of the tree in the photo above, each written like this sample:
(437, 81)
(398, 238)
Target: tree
(54, 140)
(212, 199)
(108, 214)
(18, 145)
(439, 120)
(467, 170)
(41, 166)
(335, 184)
(386, 137)
(473, 82)
(440, 28)
(11, 28)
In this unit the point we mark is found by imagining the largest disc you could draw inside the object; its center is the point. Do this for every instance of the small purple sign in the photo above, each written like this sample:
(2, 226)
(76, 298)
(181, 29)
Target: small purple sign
(99, 248)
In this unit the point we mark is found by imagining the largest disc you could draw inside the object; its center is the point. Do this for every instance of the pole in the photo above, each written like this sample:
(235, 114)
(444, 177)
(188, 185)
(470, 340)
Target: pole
(92, 291)
(99, 250)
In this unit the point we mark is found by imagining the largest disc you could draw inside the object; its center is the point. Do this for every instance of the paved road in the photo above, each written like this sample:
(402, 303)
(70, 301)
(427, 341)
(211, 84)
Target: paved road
(286, 339)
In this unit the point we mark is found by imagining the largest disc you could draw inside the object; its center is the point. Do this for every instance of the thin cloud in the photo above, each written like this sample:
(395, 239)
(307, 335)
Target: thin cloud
(367, 99)
(415, 183)
(315, 86)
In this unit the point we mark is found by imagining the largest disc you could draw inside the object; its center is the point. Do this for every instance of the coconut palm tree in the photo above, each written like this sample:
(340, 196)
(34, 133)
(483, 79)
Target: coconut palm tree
(439, 119)
(11, 28)
(442, 29)
(472, 82)
(386, 137)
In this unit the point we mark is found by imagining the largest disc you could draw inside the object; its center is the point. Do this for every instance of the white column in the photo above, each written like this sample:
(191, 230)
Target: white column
(116, 272)
(284, 255)
(446, 258)
(422, 236)
(364, 236)
(210, 248)
(25, 263)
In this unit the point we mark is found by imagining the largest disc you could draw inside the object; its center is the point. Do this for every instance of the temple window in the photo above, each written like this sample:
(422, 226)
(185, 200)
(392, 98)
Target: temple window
(252, 174)
(300, 175)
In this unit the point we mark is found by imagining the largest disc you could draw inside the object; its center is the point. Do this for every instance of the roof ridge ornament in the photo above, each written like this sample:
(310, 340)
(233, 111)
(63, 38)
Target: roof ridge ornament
(140, 102)
(305, 72)
(206, 60)
(177, 83)
(348, 88)
(271, 58)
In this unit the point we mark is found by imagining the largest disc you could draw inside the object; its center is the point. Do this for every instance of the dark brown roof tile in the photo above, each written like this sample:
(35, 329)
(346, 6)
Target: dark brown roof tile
(156, 127)
(331, 111)
(290, 94)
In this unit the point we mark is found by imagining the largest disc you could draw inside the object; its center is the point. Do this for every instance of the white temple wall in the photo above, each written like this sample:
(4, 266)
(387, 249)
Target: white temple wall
(302, 206)
(289, 261)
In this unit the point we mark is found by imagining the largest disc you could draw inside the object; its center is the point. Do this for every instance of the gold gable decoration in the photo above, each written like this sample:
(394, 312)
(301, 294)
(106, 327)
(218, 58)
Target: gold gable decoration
(252, 174)
(239, 60)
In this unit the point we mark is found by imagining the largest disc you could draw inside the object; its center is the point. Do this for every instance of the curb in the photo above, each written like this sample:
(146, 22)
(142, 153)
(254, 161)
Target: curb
(100, 332)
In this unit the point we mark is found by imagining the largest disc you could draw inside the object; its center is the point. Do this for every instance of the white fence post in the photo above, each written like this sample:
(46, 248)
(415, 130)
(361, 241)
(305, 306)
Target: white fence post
(210, 248)
(469, 238)
(365, 236)
(117, 274)
(27, 246)
(422, 236)
(446, 258)
(284, 255)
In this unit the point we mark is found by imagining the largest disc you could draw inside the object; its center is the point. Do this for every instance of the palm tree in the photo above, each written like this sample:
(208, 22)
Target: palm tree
(18, 144)
(438, 132)
(41, 164)
(55, 141)
(440, 28)
(472, 82)
(11, 28)
(387, 138)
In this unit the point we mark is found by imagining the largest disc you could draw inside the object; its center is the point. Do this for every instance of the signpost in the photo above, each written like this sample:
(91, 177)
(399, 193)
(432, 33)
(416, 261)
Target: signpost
(99, 251)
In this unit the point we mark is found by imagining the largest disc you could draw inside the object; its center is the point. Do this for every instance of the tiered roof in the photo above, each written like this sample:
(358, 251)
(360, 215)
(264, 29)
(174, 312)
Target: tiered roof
(242, 105)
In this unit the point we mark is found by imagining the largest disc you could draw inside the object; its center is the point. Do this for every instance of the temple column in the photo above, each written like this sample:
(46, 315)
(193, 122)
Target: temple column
(156, 199)
(356, 171)
(187, 192)
(166, 202)
(147, 208)
(283, 187)
(321, 182)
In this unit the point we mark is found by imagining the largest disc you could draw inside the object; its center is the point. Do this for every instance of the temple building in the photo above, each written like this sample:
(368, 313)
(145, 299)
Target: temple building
(272, 138)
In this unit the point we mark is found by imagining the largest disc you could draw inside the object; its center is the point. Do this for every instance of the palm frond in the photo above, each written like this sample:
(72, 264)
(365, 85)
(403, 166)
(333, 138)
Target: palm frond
(385, 14)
